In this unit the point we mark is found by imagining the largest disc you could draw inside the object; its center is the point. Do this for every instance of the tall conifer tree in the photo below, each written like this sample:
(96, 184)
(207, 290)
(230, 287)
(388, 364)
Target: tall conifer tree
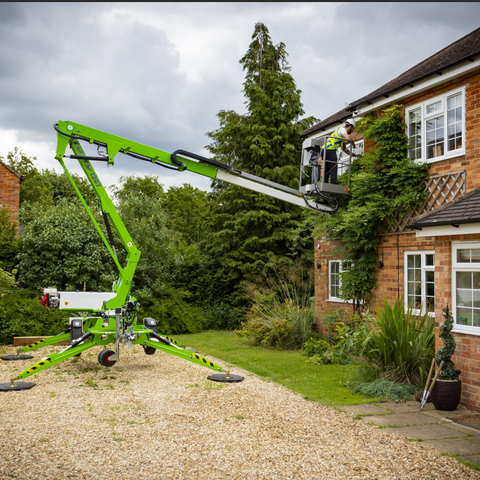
(253, 232)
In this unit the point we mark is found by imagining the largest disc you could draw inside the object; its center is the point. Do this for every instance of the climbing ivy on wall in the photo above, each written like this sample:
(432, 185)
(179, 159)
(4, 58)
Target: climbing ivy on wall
(384, 183)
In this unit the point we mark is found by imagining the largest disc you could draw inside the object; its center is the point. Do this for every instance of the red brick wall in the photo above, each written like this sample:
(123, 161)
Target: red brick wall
(390, 279)
(10, 191)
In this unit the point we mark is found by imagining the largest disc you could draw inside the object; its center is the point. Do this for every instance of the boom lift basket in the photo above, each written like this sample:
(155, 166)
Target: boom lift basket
(313, 170)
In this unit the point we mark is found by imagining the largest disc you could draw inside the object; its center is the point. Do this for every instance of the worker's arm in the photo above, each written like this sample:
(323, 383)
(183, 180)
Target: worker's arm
(343, 132)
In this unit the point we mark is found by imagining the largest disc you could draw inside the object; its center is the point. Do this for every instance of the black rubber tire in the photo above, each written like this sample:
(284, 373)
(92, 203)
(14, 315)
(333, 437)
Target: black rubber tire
(103, 358)
(149, 350)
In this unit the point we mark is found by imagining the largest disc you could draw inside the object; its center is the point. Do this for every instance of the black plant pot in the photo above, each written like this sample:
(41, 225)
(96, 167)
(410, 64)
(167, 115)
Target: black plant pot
(446, 394)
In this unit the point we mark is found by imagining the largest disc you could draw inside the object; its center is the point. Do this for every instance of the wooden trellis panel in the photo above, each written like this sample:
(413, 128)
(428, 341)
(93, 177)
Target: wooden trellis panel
(441, 189)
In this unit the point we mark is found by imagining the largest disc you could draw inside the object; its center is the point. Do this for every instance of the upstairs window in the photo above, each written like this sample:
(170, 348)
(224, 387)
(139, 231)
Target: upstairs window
(436, 127)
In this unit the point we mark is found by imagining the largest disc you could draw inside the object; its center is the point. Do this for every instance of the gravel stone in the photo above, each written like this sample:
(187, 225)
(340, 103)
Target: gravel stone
(158, 416)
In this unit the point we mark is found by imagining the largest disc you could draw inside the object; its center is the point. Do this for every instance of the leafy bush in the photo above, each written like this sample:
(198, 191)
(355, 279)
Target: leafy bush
(385, 389)
(400, 344)
(22, 315)
(170, 308)
(222, 316)
(331, 319)
(280, 315)
(278, 325)
(321, 352)
(7, 281)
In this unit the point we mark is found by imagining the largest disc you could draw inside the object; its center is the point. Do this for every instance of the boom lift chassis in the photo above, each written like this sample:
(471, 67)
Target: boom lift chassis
(115, 314)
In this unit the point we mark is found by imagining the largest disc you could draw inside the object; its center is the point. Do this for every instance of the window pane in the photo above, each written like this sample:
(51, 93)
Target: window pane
(464, 316)
(452, 102)
(415, 134)
(433, 107)
(429, 276)
(476, 298)
(476, 318)
(455, 122)
(463, 255)
(430, 259)
(476, 280)
(430, 304)
(464, 280)
(411, 301)
(464, 298)
(430, 290)
(435, 137)
(475, 254)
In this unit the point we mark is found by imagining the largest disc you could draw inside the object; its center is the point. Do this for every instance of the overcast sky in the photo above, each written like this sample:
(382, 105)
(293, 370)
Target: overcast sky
(159, 73)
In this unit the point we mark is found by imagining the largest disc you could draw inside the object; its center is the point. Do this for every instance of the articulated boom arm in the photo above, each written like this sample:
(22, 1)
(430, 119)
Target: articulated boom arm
(180, 160)
(71, 134)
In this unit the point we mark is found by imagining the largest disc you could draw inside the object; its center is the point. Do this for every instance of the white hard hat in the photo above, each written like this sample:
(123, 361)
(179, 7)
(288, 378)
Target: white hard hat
(351, 122)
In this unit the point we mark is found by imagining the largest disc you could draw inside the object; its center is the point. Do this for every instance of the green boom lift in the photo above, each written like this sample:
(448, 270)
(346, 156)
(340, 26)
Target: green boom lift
(114, 315)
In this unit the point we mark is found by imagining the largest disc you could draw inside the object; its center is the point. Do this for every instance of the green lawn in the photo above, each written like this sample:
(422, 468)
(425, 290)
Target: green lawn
(326, 384)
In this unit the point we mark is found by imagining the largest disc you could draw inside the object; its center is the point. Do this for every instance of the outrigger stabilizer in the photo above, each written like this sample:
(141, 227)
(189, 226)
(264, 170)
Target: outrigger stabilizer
(114, 315)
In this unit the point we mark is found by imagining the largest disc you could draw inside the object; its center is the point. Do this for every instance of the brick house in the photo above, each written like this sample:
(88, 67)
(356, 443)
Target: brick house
(432, 256)
(10, 190)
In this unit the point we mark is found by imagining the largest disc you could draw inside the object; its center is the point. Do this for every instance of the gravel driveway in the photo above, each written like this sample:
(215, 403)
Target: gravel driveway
(158, 417)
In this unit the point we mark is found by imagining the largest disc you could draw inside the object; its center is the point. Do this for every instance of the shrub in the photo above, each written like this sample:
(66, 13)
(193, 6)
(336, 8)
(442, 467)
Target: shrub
(22, 315)
(321, 352)
(445, 353)
(170, 308)
(280, 315)
(285, 326)
(385, 389)
(331, 319)
(222, 316)
(400, 344)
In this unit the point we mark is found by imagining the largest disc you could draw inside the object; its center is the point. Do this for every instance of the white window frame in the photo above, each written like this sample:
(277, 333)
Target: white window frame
(424, 268)
(340, 270)
(462, 267)
(442, 110)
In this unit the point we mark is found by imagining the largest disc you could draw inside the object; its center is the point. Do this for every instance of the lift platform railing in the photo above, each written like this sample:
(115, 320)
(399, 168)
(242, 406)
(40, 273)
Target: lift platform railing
(315, 170)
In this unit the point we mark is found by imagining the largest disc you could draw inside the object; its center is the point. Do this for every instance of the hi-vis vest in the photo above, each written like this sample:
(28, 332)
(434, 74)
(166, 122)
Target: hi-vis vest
(337, 142)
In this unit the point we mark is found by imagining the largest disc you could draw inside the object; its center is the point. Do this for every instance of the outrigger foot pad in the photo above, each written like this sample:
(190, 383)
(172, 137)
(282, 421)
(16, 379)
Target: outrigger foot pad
(16, 357)
(225, 378)
(6, 387)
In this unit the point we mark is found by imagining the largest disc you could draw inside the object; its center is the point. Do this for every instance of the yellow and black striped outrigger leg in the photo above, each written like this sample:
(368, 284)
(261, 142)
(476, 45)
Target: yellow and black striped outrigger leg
(46, 341)
(49, 361)
(183, 353)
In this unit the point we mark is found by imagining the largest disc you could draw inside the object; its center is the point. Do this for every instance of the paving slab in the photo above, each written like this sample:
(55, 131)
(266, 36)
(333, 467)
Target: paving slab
(444, 413)
(455, 446)
(405, 407)
(426, 432)
(475, 459)
(402, 419)
(365, 409)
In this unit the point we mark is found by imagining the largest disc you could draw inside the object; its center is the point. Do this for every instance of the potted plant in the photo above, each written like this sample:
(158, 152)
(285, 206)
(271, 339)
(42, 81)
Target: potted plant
(447, 390)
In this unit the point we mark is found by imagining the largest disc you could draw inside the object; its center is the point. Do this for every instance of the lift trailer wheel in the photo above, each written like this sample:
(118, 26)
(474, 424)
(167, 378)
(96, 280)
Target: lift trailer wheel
(16, 357)
(149, 350)
(225, 378)
(103, 358)
(7, 387)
